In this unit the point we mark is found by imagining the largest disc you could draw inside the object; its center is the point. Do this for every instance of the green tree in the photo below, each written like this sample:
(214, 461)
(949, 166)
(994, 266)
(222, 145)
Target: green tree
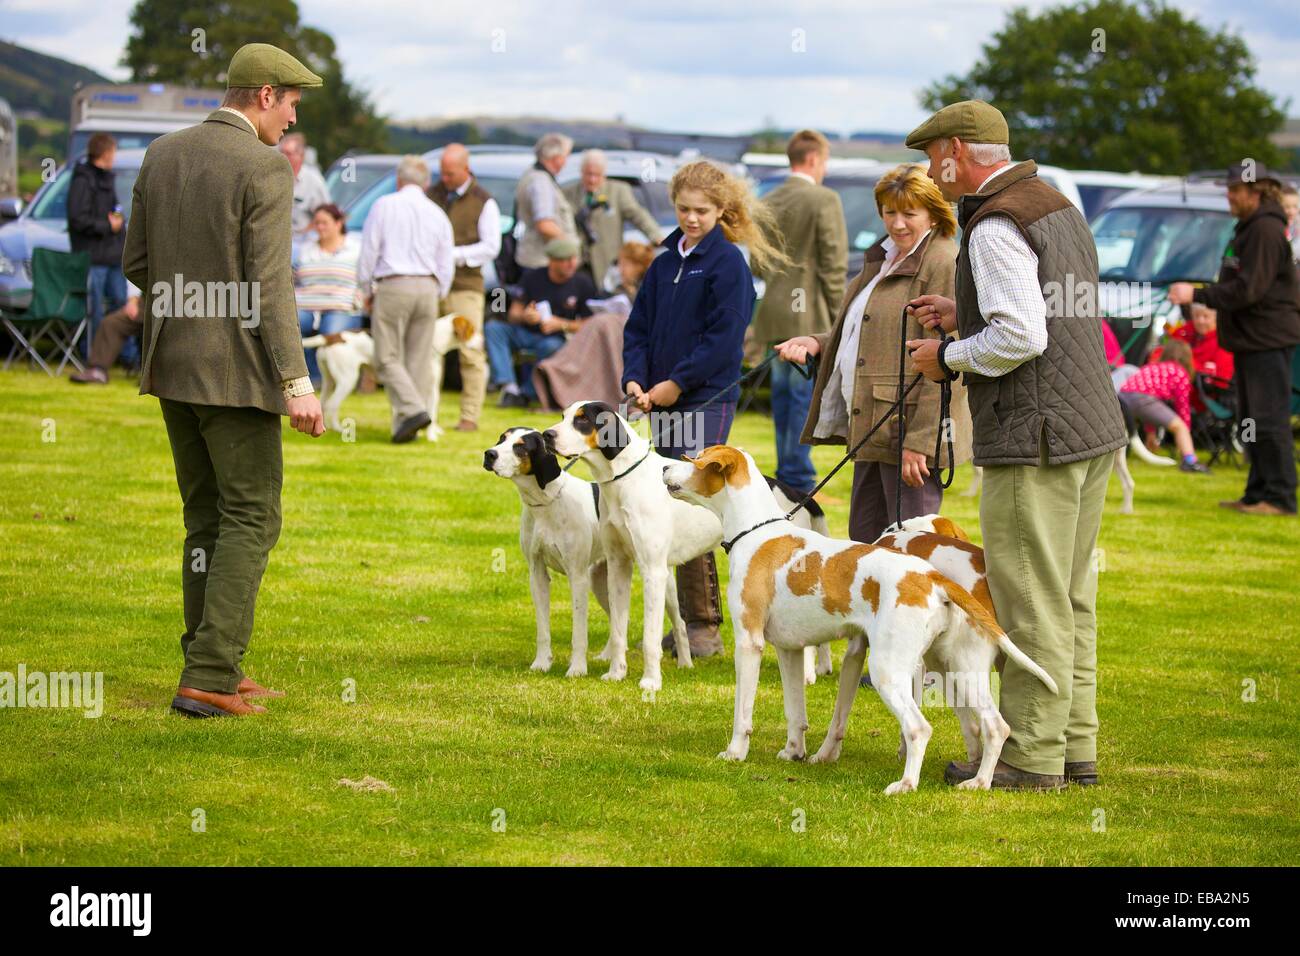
(173, 41)
(1121, 86)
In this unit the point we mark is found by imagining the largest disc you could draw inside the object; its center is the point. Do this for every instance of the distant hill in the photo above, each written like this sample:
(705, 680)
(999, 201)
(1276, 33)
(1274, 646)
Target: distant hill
(35, 82)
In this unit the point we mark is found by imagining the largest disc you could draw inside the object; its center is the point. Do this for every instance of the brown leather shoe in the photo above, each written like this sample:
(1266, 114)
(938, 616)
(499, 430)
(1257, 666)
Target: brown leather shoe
(251, 688)
(465, 425)
(1082, 772)
(1233, 505)
(193, 702)
(1005, 776)
(1266, 508)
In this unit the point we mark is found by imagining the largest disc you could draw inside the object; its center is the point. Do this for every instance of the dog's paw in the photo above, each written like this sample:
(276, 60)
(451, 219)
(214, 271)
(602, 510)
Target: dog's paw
(900, 786)
(791, 752)
(615, 672)
(731, 755)
(577, 669)
(974, 783)
(540, 663)
(652, 684)
(825, 755)
(824, 669)
(686, 662)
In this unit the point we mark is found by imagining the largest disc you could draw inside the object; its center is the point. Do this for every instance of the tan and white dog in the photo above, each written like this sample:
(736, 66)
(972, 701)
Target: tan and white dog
(558, 531)
(341, 356)
(797, 588)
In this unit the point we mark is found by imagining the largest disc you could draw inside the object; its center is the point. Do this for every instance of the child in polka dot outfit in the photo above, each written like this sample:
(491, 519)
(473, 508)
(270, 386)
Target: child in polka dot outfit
(1160, 394)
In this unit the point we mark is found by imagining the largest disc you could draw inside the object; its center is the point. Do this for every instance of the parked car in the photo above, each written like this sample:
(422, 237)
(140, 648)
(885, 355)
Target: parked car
(1062, 180)
(352, 175)
(43, 223)
(1100, 188)
(1148, 239)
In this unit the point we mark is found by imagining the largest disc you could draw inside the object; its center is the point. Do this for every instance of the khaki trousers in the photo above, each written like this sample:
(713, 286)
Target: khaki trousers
(1040, 528)
(401, 323)
(473, 361)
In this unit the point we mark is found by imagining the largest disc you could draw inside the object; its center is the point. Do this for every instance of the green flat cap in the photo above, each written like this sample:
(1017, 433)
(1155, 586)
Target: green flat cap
(561, 248)
(260, 64)
(971, 121)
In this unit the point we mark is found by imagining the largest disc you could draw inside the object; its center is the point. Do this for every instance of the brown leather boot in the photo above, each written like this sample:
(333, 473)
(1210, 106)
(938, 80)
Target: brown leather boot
(700, 600)
(193, 702)
(251, 688)
(1082, 772)
(1005, 776)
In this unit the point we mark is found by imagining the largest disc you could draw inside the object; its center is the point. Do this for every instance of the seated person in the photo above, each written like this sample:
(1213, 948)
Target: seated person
(1211, 360)
(1159, 394)
(115, 329)
(590, 366)
(325, 281)
(552, 302)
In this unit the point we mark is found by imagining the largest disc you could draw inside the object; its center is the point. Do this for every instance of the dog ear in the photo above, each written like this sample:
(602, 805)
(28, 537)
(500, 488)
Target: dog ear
(542, 465)
(612, 435)
(462, 327)
(729, 462)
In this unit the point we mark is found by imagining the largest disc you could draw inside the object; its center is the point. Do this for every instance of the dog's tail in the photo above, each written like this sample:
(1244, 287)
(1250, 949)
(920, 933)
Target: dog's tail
(313, 341)
(1136, 447)
(986, 625)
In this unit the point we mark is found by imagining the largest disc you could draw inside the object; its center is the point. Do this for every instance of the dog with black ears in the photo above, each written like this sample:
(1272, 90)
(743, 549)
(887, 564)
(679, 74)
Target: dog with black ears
(558, 531)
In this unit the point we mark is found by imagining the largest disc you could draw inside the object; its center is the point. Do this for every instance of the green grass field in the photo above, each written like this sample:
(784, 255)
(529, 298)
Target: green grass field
(399, 570)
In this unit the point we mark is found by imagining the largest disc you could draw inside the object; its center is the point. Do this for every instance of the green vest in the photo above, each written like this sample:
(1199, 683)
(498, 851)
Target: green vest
(1061, 406)
(464, 213)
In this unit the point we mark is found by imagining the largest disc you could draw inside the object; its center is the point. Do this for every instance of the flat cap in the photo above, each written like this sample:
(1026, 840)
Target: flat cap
(260, 64)
(561, 248)
(971, 121)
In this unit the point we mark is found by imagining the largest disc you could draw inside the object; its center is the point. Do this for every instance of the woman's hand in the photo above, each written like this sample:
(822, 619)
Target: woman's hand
(664, 394)
(914, 468)
(797, 349)
(639, 398)
(934, 312)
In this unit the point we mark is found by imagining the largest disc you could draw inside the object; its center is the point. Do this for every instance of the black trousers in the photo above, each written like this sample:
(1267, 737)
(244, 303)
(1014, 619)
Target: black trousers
(1264, 394)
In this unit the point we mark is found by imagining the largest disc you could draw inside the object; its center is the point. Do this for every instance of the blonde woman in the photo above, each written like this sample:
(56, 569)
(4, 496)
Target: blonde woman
(857, 379)
(683, 343)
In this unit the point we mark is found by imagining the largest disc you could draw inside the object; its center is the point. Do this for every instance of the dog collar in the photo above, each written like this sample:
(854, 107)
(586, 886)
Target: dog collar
(728, 545)
(629, 471)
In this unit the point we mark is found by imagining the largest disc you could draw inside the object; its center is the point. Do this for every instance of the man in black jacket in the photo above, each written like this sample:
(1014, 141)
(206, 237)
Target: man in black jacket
(1258, 301)
(95, 225)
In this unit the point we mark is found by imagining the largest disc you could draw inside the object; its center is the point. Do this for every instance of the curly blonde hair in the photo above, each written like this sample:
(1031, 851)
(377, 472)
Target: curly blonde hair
(910, 187)
(742, 217)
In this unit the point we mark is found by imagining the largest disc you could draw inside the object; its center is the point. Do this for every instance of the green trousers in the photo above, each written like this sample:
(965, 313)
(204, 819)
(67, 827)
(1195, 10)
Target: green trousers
(1040, 529)
(229, 470)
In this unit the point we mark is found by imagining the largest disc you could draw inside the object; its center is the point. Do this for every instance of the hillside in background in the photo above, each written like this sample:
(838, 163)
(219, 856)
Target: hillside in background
(36, 83)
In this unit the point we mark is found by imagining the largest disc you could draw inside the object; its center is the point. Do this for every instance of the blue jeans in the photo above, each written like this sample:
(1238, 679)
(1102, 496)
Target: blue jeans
(330, 321)
(504, 339)
(791, 400)
(106, 292)
(684, 430)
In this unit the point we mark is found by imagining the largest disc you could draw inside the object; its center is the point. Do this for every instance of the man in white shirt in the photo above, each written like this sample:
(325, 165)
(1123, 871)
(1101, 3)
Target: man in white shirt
(476, 225)
(309, 189)
(406, 261)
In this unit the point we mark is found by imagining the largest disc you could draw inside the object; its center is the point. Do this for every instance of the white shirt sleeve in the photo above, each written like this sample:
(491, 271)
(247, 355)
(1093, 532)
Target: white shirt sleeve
(444, 261)
(1010, 300)
(370, 241)
(477, 254)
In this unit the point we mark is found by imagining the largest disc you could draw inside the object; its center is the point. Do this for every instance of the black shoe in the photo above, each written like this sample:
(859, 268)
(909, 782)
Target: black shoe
(1005, 776)
(513, 400)
(1082, 773)
(1194, 467)
(407, 430)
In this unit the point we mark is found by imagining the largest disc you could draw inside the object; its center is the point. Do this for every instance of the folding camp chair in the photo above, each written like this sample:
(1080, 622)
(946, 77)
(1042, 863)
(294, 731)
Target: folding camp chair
(1216, 427)
(57, 315)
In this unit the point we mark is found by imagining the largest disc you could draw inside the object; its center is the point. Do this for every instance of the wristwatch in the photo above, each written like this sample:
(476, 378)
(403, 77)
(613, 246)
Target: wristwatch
(295, 387)
(944, 365)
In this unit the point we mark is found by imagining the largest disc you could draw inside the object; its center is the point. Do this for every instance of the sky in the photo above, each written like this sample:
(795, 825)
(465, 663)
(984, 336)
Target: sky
(721, 66)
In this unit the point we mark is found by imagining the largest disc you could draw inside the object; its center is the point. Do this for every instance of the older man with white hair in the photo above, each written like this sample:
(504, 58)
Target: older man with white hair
(540, 204)
(309, 189)
(406, 261)
(602, 208)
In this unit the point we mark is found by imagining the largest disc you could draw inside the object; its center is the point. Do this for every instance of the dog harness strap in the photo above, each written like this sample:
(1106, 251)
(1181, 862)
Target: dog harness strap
(728, 545)
(630, 470)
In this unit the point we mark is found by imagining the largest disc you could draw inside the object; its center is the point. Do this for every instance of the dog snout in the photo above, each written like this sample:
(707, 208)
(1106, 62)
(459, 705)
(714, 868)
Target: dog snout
(489, 458)
(548, 440)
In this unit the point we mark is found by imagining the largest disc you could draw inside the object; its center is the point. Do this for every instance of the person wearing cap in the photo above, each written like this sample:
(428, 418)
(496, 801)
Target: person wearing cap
(406, 261)
(552, 303)
(212, 206)
(1257, 299)
(1045, 422)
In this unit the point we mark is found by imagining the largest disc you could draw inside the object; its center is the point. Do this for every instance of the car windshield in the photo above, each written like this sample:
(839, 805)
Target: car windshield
(347, 183)
(1097, 198)
(52, 204)
(1161, 245)
(858, 197)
